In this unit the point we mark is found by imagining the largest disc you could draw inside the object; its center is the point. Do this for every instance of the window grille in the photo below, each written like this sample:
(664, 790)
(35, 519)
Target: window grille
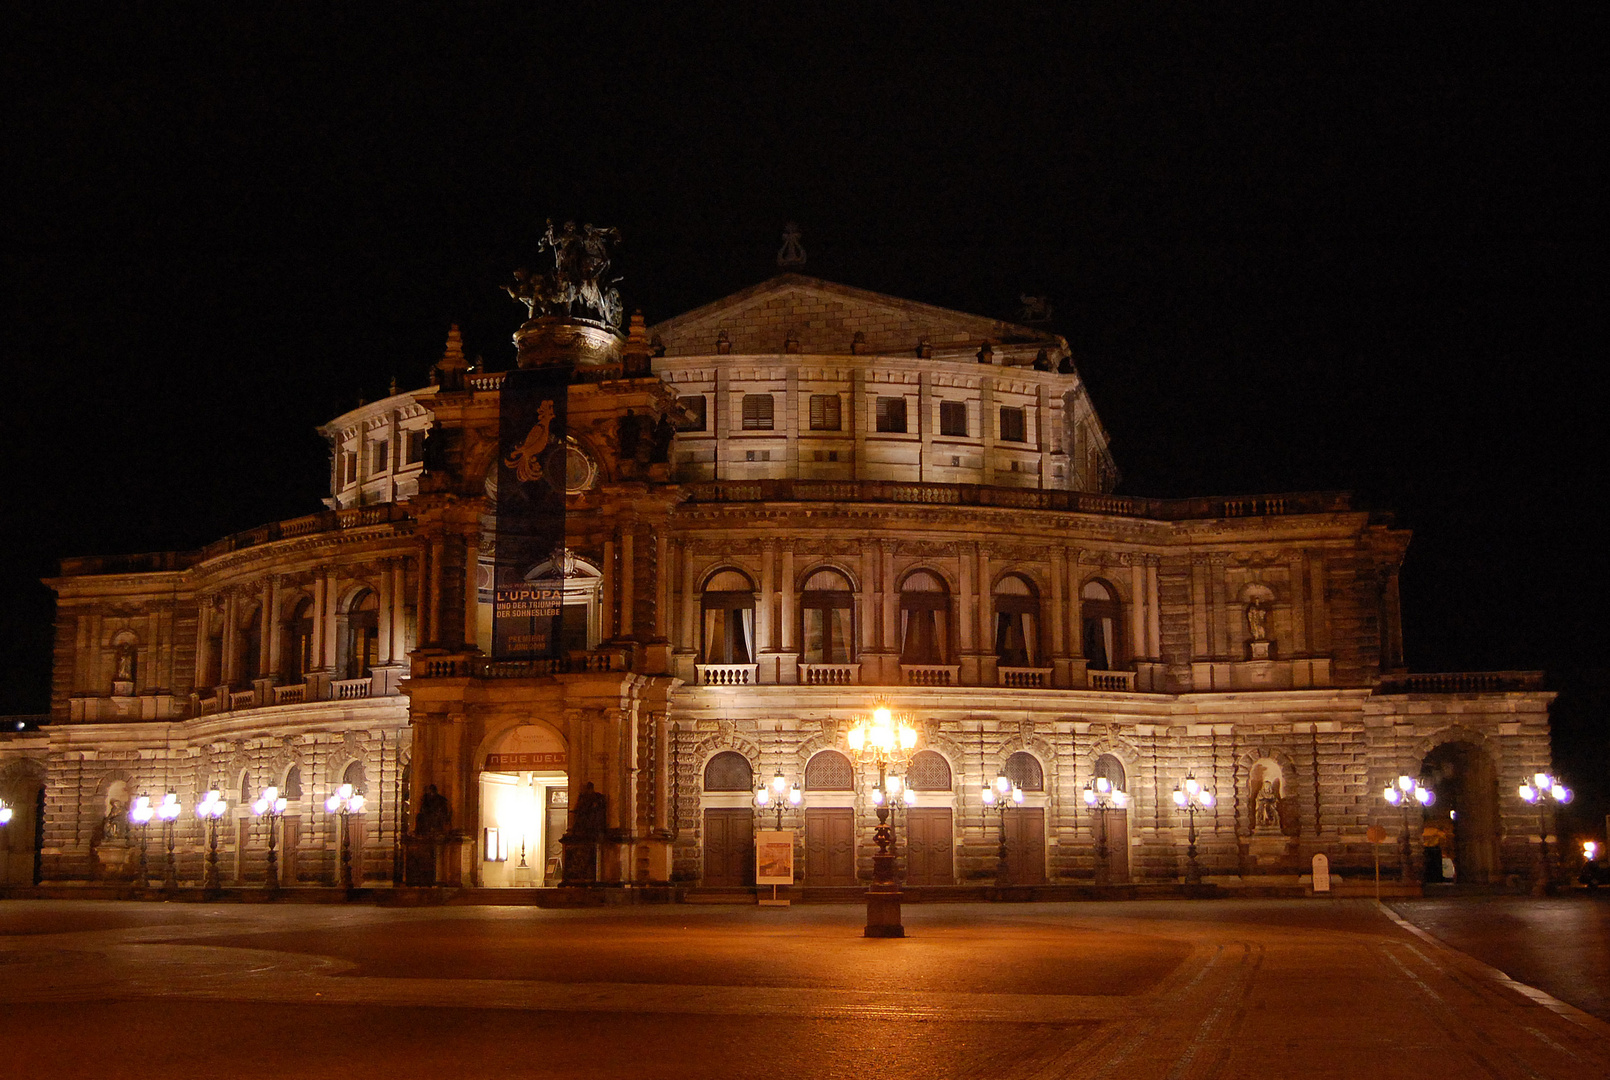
(728, 771)
(824, 412)
(892, 414)
(757, 412)
(1023, 769)
(829, 771)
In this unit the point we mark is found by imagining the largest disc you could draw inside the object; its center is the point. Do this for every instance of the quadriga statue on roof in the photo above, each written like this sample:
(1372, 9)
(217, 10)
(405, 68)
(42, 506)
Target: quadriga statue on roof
(576, 286)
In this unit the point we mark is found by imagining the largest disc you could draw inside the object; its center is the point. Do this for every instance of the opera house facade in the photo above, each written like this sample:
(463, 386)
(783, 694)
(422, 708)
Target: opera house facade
(772, 512)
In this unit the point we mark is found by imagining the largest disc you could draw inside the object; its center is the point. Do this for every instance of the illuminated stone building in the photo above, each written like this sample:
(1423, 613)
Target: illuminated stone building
(780, 507)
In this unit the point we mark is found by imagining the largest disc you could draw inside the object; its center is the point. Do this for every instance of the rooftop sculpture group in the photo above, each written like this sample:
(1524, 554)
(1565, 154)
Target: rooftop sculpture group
(576, 286)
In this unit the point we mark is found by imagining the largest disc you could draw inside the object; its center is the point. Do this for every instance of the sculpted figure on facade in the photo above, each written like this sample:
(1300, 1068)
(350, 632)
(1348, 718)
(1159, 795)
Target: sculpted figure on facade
(1266, 809)
(1258, 619)
(580, 262)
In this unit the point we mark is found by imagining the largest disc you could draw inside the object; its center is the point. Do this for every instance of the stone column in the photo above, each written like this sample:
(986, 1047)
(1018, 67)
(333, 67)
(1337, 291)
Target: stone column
(925, 425)
(273, 643)
(231, 638)
(203, 644)
(858, 423)
(384, 614)
(662, 583)
(788, 604)
(986, 636)
(1137, 607)
(437, 549)
(987, 422)
(399, 610)
(767, 653)
(1058, 619)
(317, 645)
(722, 422)
(606, 592)
(1299, 609)
(690, 600)
(329, 617)
(628, 579)
(1154, 616)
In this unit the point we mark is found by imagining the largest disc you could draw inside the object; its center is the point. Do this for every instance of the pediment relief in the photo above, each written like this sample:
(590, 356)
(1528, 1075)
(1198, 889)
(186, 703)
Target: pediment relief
(794, 313)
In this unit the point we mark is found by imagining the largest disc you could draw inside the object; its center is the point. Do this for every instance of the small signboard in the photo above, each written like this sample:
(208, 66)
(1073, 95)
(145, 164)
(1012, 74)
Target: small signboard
(535, 761)
(1321, 873)
(774, 857)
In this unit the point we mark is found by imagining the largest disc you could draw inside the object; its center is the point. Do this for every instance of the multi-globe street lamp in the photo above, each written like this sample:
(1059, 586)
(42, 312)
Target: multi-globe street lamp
(345, 802)
(1102, 795)
(1000, 795)
(1542, 791)
(212, 807)
(1193, 798)
(271, 804)
(883, 740)
(167, 813)
(777, 796)
(140, 814)
(1407, 790)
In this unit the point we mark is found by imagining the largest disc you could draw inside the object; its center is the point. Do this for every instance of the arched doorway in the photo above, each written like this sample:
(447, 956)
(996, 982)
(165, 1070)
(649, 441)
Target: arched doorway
(1025, 825)
(22, 789)
(1112, 823)
(930, 832)
(1465, 815)
(830, 840)
(525, 806)
(729, 821)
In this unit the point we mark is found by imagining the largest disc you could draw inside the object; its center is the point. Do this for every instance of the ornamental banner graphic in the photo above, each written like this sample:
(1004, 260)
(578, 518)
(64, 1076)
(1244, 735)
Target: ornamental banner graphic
(530, 512)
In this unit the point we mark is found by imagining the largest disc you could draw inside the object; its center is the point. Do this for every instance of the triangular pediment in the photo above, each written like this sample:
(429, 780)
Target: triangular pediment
(824, 317)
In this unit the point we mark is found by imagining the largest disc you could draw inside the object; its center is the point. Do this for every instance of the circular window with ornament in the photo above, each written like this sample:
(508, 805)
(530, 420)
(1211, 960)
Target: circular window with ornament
(575, 465)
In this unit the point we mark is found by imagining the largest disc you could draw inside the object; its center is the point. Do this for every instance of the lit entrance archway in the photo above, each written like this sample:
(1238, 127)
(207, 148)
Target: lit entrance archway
(524, 808)
(1465, 815)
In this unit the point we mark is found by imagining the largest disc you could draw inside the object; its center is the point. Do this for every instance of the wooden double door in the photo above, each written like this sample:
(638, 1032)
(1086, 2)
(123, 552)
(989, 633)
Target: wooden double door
(930, 846)
(1117, 826)
(729, 848)
(830, 846)
(1025, 845)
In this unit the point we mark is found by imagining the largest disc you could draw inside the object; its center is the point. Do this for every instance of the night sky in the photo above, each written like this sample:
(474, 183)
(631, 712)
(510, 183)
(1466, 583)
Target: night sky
(1359, 251)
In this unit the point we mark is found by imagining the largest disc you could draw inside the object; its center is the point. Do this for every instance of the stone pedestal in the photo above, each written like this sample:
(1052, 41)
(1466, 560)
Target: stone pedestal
(883, 912)
(1260, 650)
(580, 863)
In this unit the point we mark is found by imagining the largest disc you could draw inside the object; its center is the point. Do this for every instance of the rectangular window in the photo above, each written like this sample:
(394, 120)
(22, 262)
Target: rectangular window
(349, 467)
(824, 412)
(380, 457)
(416, 447)
(757, 412)
(892, 414)
(757, 455)
(693, 408)
(953, 418)
(1012, 425)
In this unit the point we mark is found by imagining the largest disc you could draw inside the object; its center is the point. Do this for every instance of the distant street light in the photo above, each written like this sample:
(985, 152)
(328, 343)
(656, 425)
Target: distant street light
(168, 813)
(210, 809)
(345, 802)
(1407, 790)
(1542, 791)
(1193, 798)
(140, 814)
(271, 804)
(1000, 795)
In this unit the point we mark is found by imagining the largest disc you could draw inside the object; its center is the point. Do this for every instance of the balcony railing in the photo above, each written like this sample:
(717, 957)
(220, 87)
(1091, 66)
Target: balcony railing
(829, 674)
(930, 674)
(1025, 678)
(1462, 682)
(1111, 680)
(290, 695)
(351, 689)
(242, 699)
(790, 490)
(726, 674)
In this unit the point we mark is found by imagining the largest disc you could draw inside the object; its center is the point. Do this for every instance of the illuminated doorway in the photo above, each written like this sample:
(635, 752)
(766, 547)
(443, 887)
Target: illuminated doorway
(524, 809)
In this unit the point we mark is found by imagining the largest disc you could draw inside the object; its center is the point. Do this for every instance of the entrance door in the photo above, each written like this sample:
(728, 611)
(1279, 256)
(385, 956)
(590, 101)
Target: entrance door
(830, 846)
(1025, 845)
(729, 848)
(929, 842)
(290, 833)
(1117, 824)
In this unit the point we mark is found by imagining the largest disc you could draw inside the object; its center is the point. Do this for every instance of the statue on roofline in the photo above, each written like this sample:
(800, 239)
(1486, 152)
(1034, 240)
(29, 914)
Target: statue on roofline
(576, 286)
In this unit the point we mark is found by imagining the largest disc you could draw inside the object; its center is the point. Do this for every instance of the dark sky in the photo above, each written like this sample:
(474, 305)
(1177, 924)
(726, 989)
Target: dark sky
(1341, 251)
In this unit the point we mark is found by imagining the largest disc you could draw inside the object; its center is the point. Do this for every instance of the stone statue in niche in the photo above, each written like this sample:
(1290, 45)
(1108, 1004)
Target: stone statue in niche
(591, 814)
(115, 826)
(125, 664)
(1266, 807)
(1258, 619)
(435, 816)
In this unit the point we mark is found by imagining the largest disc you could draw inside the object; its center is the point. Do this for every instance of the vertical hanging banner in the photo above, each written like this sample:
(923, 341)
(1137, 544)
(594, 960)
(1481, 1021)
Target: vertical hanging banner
(530, 512)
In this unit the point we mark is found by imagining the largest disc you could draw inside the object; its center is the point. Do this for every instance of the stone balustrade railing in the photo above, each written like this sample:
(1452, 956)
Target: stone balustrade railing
(788, 490)
(829, 674)
(351, 689)
(1111, 680)
(726, 674)
(1023, 678)
(1461, 682)
(931, 674)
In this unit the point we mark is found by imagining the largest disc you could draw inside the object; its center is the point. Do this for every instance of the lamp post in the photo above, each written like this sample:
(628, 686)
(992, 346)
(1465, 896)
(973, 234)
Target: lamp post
(1000, 795)
(774, 795)
(168, 813)
(1407, 790)
(345, 802)
(140, 814)
(271, 804)
(883, 740)
(1544, 789)
(5, 813)
(1102, 795)
(1193, 798)
(210, 809)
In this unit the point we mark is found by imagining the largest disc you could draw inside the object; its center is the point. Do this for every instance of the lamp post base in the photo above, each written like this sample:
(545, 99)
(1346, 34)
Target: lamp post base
(883, 912)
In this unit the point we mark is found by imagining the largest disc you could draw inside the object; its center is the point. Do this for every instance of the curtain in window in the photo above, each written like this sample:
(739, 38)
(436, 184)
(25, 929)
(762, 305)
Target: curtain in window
(923, 634)
(1098, 644)
(827, 635)
(743, 649)
(1015, 634)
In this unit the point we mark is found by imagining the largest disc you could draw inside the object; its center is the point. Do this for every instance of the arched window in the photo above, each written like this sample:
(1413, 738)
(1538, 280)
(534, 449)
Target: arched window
(728, 771)
(729, 619)
(1017, 622)
(297, 659)
(213, 672)
(292, 788)
(581, 618)
(245, 787)
(924, 619)
(829, 771)
(251, 646)
(362, 634)
(1111, 769)
(1102, 616)
(1023, 769)
(827, 610)
(358, 777)
(929, 771)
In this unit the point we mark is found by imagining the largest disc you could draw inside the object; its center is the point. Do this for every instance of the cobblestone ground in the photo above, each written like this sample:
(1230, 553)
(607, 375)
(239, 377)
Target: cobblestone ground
(1147, 990)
